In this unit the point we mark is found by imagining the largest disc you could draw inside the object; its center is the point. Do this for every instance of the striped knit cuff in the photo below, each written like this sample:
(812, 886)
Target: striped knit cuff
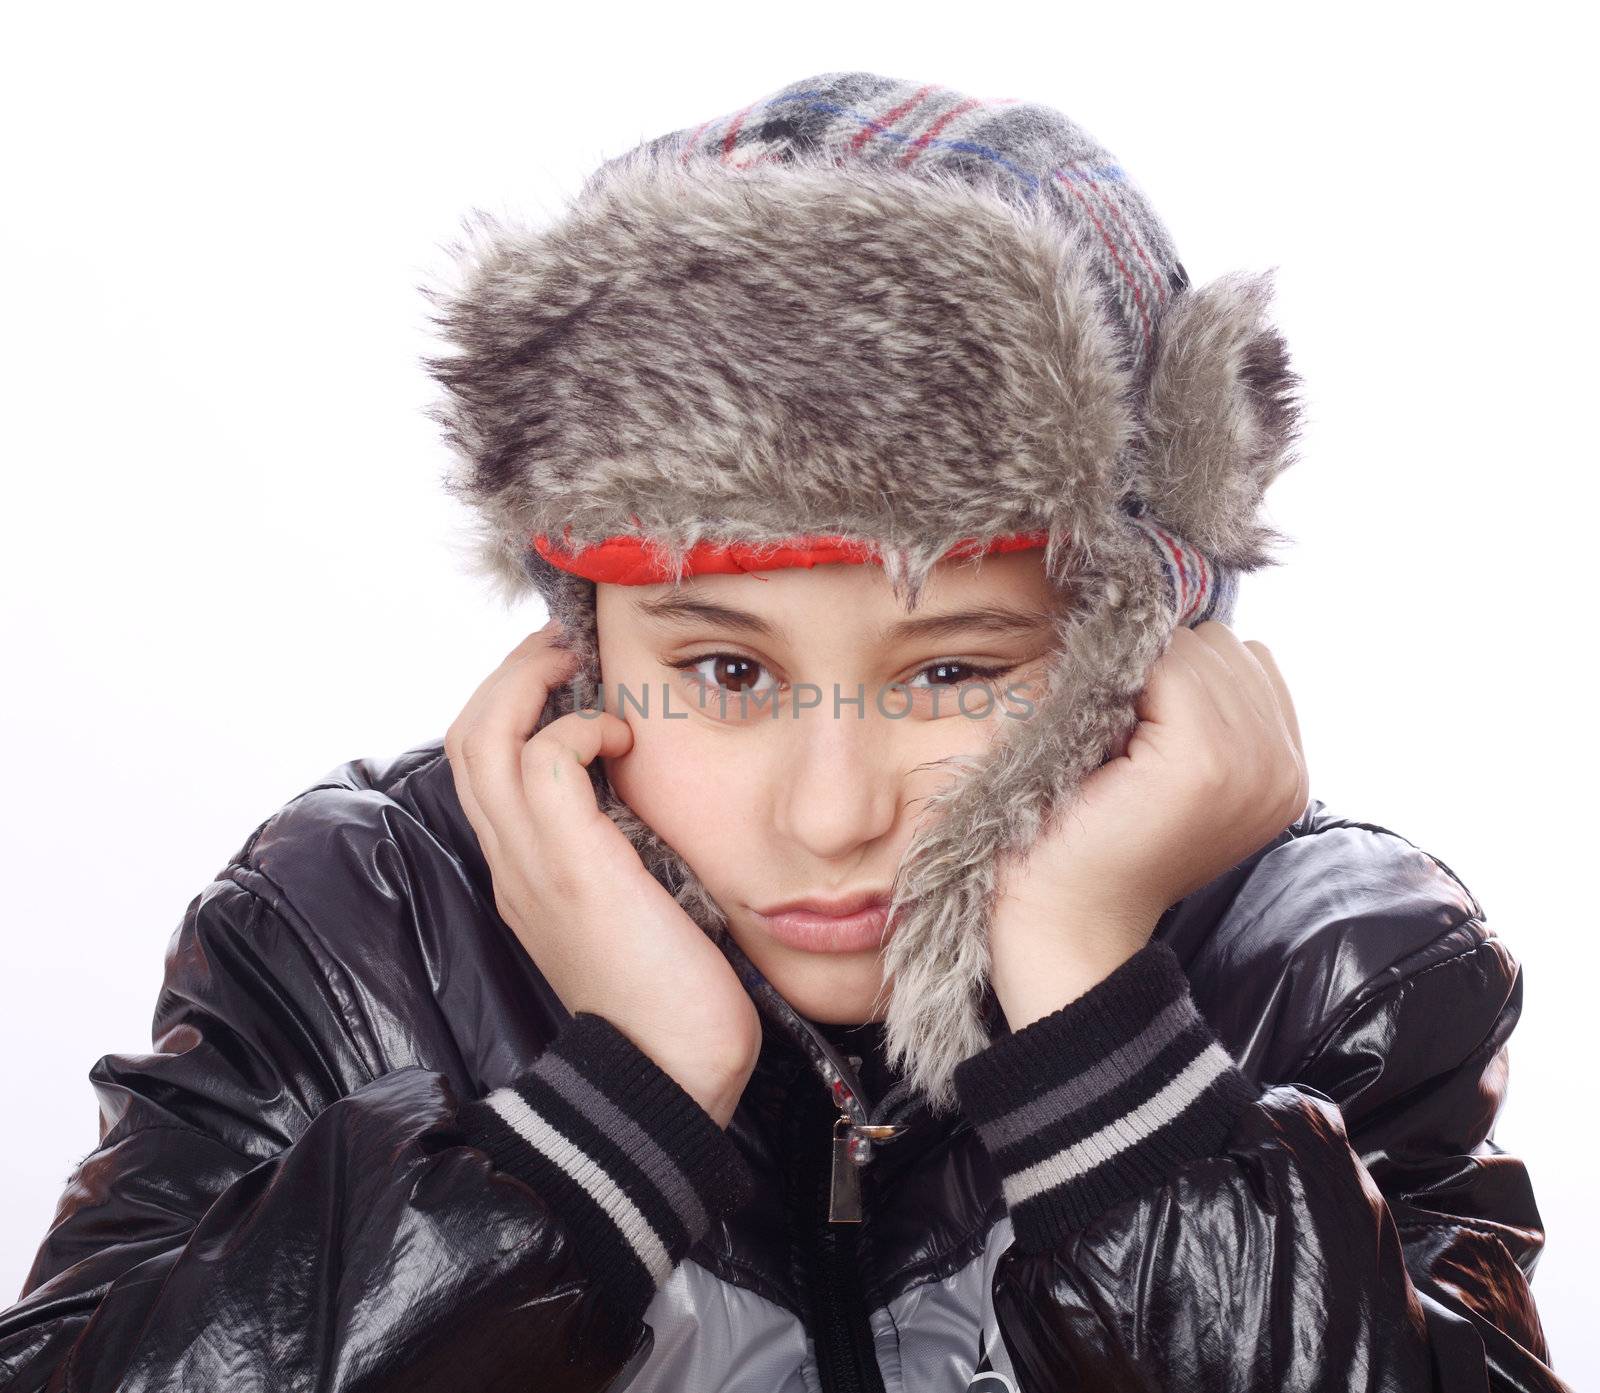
(1106, 1097)
(632, 1164)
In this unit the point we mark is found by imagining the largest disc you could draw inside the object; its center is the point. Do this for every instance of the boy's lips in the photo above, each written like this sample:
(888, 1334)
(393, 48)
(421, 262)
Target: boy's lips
(849, 924)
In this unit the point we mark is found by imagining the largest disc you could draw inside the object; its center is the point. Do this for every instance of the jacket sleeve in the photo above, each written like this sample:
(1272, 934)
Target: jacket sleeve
(244, 1224)
(1178, 1226)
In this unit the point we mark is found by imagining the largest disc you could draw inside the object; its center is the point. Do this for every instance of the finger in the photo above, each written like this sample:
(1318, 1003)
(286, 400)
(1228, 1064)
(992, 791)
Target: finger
(493, 746)
(549, 640)
(468, 716)
(1176, 695)
(1250, 698)
(465, 719)
(1288, 725)
(487, 837)
(555, 773)
(1229, 713)
(1263, 701)
(1280, 689)
(498, 723)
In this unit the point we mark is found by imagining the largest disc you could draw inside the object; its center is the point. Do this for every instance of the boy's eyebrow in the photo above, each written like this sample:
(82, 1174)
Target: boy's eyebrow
(682, 610)
(1000, 618)
(674, 608)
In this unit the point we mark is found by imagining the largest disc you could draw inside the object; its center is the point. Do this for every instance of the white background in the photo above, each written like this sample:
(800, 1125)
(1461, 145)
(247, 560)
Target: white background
(228, 564)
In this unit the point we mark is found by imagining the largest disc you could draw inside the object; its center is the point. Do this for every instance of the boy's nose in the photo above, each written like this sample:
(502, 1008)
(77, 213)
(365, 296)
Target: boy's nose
(838, 782)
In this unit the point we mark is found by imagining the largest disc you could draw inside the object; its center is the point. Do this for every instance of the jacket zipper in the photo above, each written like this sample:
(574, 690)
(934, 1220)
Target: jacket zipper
(828, 1180)
(824, 1175)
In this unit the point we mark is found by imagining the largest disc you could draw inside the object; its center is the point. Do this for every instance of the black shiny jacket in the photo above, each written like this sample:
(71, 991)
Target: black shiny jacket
(278, 1200)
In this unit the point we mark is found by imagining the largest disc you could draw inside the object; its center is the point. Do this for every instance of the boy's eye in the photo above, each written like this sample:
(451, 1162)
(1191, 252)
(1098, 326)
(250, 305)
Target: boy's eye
(974, 673)
(732, 672)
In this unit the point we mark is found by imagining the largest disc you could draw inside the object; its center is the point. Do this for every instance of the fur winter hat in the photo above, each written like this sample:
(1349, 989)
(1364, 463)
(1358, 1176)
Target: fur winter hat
(865, 318)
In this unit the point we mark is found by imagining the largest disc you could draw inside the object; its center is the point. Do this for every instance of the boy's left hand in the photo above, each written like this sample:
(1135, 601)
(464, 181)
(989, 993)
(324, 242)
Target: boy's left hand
(1213, 771)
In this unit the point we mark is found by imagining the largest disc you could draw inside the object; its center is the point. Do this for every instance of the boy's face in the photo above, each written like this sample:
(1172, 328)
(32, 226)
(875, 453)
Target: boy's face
(770, 799)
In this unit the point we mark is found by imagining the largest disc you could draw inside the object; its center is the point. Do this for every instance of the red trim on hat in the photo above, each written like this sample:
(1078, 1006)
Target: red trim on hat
(627, 560)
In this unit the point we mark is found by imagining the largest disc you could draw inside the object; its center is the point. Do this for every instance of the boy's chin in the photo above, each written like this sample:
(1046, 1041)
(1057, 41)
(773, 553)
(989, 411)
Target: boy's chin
(829, 988)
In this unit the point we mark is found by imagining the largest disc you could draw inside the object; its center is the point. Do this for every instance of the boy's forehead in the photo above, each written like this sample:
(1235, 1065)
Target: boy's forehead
(1007, 587)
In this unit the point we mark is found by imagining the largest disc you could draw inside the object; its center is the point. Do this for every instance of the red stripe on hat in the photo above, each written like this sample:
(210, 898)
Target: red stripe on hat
(636, 561)
(1180, 572)
(1111, 246)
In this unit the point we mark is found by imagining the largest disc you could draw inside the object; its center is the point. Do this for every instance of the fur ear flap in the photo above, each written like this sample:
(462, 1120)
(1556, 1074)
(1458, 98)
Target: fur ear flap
(1221, 411)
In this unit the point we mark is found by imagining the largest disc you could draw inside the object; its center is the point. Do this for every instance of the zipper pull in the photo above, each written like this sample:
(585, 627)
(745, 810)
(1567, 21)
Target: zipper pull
(852, 1149)
(844, 1188)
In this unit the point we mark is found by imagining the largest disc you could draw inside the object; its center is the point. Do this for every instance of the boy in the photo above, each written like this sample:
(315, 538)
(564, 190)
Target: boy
(1103, 1056)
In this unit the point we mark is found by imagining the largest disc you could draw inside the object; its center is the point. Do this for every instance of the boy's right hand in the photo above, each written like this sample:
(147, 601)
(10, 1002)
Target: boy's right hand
(606, 935)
